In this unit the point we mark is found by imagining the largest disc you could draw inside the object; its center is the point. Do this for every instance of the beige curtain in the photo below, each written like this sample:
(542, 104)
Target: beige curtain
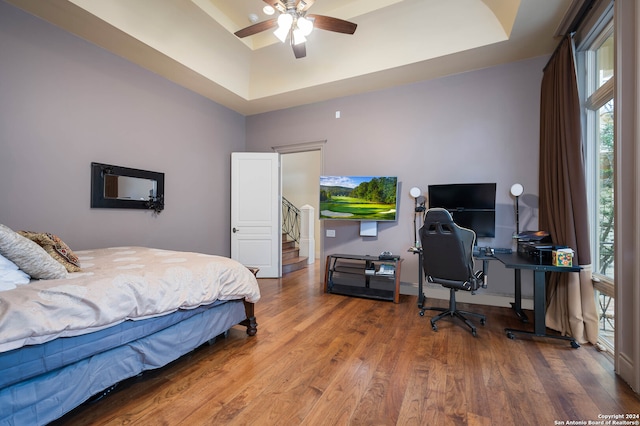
(571, 307)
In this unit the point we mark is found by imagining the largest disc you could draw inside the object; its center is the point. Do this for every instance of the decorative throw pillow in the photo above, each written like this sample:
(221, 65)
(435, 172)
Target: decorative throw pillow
(53, 245)
(29, 256)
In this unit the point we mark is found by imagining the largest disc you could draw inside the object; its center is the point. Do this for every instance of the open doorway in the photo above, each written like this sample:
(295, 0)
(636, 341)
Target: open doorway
(301, 167)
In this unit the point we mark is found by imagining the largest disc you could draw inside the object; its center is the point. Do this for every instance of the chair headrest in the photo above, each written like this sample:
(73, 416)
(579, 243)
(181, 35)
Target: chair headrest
(438, 215)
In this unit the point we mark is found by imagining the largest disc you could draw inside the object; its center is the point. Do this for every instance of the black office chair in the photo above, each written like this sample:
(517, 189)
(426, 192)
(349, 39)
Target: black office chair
(448, 260)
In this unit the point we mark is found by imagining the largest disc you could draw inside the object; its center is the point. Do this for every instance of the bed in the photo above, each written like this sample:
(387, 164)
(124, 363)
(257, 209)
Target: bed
(129, 309)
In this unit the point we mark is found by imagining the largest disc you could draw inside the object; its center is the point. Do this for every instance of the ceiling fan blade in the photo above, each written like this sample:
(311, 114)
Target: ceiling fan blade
(303, 5)
(257, 28)
(333, 24)
(277, 5)
(299, 50)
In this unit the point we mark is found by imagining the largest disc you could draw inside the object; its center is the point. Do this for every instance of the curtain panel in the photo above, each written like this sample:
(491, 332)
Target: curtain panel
(571, 307)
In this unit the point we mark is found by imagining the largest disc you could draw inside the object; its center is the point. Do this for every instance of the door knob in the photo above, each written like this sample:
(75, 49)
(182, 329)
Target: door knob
(235, 230)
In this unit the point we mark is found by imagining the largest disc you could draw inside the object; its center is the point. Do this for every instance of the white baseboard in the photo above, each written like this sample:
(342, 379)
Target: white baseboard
(626, 371)
(481, 297)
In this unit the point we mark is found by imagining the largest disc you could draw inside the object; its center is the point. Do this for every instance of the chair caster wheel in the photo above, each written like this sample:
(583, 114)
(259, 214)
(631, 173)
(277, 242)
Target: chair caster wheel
(483, 321)
(474, 333)
(511, 336)
(574, 344)
(434, 327)
(421, 313)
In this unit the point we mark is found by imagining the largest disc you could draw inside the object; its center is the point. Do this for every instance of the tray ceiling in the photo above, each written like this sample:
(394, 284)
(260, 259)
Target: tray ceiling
(397, 42)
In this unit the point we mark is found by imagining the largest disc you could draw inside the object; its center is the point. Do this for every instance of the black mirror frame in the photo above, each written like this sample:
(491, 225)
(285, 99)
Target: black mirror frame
(99, 170)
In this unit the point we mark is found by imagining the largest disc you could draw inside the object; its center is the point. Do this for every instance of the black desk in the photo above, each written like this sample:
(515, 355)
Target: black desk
(518, 263)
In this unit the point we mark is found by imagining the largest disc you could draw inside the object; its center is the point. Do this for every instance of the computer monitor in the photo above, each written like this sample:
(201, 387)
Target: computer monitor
(472, 205)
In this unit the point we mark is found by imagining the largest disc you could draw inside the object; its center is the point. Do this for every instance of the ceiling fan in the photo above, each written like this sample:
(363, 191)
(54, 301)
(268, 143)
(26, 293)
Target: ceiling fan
(295, 23)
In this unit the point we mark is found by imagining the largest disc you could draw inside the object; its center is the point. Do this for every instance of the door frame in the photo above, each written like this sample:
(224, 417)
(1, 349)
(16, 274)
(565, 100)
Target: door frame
(305, 147)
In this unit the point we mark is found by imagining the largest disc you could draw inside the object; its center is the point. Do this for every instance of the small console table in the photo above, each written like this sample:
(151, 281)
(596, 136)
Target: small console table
(363, 276)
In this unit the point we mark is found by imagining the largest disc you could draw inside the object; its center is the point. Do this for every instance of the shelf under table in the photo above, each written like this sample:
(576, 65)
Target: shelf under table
(350, 275)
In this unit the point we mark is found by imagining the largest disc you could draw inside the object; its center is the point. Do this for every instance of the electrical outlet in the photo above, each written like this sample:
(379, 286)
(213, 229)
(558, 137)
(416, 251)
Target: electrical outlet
(331, 233)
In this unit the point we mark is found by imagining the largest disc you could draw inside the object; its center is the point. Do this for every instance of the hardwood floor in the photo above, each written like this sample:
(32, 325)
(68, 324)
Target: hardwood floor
(322, 359)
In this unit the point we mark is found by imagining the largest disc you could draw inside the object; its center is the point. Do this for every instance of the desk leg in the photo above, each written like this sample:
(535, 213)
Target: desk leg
(421, 297)
(539, 312)
(539, 303)
(516, 305)
(420, 293)
(396, 291)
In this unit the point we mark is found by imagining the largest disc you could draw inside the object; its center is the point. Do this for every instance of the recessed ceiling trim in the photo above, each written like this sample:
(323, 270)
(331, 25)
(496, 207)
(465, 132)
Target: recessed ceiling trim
(506, 12)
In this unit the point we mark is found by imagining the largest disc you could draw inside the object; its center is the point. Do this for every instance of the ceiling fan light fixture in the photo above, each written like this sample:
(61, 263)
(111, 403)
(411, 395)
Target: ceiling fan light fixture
(305, 25)
(285, 20)
(281, 33)
(284, 26)
(298, 36)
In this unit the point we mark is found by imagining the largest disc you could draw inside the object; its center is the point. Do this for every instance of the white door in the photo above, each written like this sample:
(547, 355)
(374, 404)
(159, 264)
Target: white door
(256, 235)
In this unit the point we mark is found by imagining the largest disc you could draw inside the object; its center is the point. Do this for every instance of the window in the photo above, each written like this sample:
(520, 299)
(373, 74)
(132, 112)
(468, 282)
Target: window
(595, 64)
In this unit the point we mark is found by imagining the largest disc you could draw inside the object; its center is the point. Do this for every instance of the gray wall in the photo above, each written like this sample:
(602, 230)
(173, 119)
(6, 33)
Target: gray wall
(65, 103)
(480, 126)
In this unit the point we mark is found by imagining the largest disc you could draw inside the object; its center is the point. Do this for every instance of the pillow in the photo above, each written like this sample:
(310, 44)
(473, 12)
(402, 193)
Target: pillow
(53, 245)
(29, 256)
(10, 275)
(6, 264)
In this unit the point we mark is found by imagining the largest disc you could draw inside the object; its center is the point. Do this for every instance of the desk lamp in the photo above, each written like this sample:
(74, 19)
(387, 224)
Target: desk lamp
(420, 201)
(516, 191)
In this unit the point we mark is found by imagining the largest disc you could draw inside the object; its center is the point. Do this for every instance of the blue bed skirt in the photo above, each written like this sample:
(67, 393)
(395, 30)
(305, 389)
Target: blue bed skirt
(44, 382)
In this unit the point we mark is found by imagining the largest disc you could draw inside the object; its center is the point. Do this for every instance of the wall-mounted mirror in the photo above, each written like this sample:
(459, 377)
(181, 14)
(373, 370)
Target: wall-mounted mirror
(125, 188)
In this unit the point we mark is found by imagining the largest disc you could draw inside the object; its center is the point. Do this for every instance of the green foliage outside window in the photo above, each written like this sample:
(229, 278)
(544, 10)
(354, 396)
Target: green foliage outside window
(606, 212)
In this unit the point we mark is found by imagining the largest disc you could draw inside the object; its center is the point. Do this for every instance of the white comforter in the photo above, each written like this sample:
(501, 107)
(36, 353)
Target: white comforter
(117, 284)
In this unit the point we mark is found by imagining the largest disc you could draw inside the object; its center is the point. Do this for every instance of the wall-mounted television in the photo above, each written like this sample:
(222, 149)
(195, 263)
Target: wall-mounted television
(363, 198)
(472, 205)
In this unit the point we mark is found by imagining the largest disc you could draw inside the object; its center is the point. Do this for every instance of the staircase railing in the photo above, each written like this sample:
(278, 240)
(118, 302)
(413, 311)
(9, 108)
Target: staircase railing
(290, 220)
